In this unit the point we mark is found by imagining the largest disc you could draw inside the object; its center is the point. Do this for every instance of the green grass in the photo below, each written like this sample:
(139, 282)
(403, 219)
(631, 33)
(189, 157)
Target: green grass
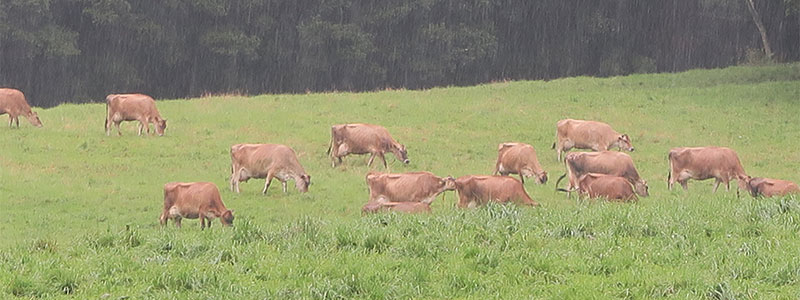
(80, 210)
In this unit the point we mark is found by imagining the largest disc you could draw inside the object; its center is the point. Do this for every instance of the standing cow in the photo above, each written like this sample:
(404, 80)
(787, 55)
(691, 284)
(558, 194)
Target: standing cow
(701, 163)
(362, 139)
(478, 190)
(267, 161)
(519, 158)
(611, 187)
(133, 107)
(603, 162)
(192, 200)
(593, 135)
(13, 103)
(768, 187)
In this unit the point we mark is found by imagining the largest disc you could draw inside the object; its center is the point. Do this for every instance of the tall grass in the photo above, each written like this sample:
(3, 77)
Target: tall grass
(80, 209)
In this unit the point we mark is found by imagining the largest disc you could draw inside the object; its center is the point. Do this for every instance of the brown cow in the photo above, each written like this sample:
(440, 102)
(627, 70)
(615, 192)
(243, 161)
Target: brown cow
(133, 107)
(406, 207)
(611, 187)
(767, 187)
(519, 158)
(362, 139)
(476, 190)
(701, 163)
(593, 135)
(13, 103)
(194, 200)
(267, 161)
(603, 162)
(407, 187)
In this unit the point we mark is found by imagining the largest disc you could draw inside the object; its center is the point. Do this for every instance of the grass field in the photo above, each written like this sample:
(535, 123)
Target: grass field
(80, 209)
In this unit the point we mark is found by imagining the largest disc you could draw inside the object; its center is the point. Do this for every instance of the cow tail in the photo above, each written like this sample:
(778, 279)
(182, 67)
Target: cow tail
(105, 125)
(330, 145)
(669, 172)
(559, 180)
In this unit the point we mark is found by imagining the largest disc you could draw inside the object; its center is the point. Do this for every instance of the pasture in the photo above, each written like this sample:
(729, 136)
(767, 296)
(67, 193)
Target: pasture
(80, 209)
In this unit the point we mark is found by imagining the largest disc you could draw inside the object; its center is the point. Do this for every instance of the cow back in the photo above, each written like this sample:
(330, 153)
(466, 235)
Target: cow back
(13, 101)
(403, 187)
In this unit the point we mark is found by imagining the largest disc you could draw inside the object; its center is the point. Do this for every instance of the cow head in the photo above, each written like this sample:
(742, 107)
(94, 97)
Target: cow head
(641, 189)
(449, 183)
(400, 152)
(623, 142)
(749, 184)
(33, 117)
(227, 218)
(302, 182)
(161, 125)
(541, 177)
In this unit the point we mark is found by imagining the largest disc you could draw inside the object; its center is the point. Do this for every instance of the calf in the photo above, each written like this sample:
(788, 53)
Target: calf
(519, 158)
(701, 163)
(406, 207)
(603, 162)
(362, 139)
(194, 200)
(767, 187)
(133, 107)
(267, 161)
(476, 190)
(13, 103)
(593, 135)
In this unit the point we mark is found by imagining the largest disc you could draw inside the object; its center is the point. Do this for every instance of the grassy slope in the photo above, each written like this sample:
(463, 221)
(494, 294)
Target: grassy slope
(68, 192)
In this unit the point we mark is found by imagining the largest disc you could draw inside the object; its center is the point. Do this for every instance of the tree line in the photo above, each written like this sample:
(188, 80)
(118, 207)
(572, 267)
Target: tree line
(80, 50)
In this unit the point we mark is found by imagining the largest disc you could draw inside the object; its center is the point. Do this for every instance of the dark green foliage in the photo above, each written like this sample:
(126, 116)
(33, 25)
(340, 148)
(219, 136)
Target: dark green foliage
(82, 50)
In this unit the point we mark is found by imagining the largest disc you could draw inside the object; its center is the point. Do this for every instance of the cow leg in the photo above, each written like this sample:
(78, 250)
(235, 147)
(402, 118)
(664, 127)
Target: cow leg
(163, 218)
(178, 221)
(234, 180)
(266, 184)
(716, 185)
(521, 178)
(684, 184)
(141, 126)
(284, 186)
(202, 222)
(116, 124)
(727, 185)
(383, 158)
(371, 158)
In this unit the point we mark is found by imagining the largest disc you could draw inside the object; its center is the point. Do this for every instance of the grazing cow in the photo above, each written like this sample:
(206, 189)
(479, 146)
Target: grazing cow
(194, 200)
(267, 161)
(362, 139)
(407, 187)
(13, 103)
(767, 187)
(478, 190)
(406, 207)
(593, 135)
(603, 162)
(611, 187)
(133, 107)
(701, 163)
(519, 158)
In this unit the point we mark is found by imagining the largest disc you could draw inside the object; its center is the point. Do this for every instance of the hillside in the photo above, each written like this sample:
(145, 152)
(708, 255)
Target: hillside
(81, 209)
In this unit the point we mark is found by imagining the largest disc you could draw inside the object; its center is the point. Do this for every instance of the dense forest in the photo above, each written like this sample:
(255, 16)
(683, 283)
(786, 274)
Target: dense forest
(81, 50)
